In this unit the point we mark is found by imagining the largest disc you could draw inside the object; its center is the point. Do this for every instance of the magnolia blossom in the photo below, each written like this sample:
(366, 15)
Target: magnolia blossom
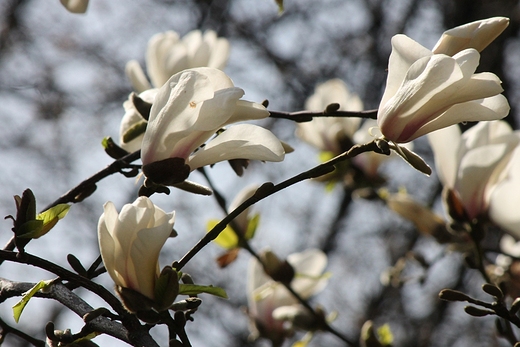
(133, 121)
(188, 110)
(330, 133)
(75, 6)
(477, 35)
(266, 295)
(168, 54)
(130, 242)
(478, 167)
(426, 91)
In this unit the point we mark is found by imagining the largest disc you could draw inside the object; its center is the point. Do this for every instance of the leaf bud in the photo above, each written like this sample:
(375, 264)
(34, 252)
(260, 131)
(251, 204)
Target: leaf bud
(493, 290)
(477, 312)
(453, 295)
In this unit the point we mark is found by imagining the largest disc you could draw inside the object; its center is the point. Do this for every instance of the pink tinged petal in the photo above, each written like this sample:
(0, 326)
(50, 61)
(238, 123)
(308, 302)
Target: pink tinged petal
(505, 199)
(445, 143)
(477, 35)
(487, 109)
(405, 52)
(421, 97)
(136, 75)
(243, 141)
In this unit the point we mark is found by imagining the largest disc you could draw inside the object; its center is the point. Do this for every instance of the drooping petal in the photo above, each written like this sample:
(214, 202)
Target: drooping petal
(309, 266)
(242, 141)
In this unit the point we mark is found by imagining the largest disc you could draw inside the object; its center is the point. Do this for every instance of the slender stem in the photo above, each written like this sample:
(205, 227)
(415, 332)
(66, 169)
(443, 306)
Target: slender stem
(7, 329)
(307, 116)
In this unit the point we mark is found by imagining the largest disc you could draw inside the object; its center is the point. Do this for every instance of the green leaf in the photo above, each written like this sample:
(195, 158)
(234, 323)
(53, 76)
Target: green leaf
(252, 226)
(29, 228)
(227, 238)
(20, 305)
(194, 289)
(280, 6)
(48, 220)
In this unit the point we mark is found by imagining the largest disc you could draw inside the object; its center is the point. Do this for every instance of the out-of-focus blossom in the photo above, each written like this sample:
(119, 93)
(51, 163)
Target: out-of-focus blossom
(75, 6)
(266, 295)
(133, 124)
(478, 169)
(334, 135)
(426, 92)
(331, 134)
(168, 54)
(130, 242)
(188, 110)
(477, 35)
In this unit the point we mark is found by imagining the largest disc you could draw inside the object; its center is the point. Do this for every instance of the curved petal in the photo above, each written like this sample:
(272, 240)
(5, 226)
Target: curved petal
(247, 110)
(487, 109)
(405, 52)
(135, 74)
(219, 54)
(504, 200)
(445, 143)
(243, 141)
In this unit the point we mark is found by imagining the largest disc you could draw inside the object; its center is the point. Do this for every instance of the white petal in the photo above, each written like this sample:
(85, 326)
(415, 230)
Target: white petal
(445, 143)
(135, 74)
(405, 52)
(243, 141)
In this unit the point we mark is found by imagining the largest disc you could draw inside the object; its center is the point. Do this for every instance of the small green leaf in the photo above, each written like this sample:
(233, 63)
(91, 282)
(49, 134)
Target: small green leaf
(20, 305)
(280, 6)
(29, 228)
(252, 225)
(48, 220)
(166, 288)
(227, 238)
(194, 289)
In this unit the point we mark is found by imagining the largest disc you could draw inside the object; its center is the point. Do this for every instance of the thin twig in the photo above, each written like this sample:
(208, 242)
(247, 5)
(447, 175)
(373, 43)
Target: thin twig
(307, 116)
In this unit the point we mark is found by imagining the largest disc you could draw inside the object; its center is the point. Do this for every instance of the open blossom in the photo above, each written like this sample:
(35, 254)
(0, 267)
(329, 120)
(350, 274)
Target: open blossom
(477, 165)
(130, 242)
(266, 295)
(168, 54)
(426, 92)
(477, 35)
(188, 110)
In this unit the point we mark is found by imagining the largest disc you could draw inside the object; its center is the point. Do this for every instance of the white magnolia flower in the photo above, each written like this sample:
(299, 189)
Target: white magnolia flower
(134, 121)
(75, 6)
(130, 242)
(328, 133)
(187, 111)
(477, 35)
(426, 92)
(472, 165)
(168, 54)
(266, 295)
